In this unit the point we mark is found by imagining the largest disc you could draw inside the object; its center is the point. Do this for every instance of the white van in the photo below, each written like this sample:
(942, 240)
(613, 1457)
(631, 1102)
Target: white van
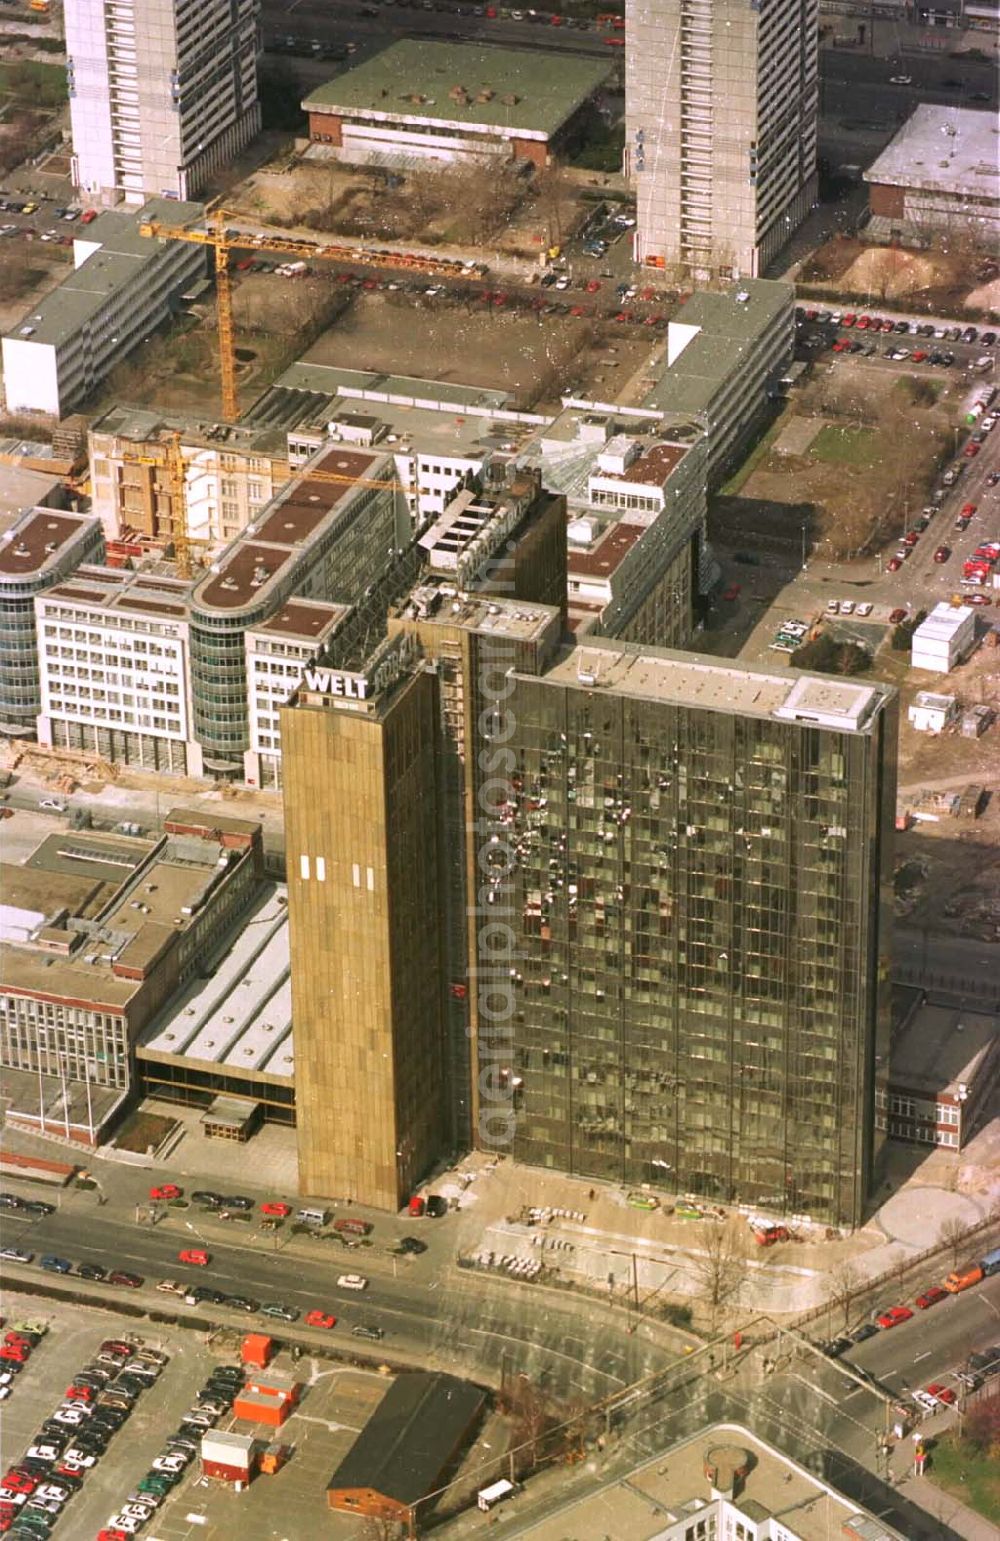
(312, 1216)
(494, 1494)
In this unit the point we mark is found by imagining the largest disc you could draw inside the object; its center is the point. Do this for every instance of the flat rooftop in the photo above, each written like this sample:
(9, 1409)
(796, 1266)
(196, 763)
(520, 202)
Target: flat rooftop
(142, 594)
(140, 894)
(695, 680)
(126, 421)
(307, 395)
(710, 335)
(22, 488)
(514, 618)
(944, 149)
(940, 1048)
(673, 1488)
(512, 91)
(943, 623)
(305, 620)
(286, 526)
(38, 541)
(111, 256)
(605, 556)
(240, 1016)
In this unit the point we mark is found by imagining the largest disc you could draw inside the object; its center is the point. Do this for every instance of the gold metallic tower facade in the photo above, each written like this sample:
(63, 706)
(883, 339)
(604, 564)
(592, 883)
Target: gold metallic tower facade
(361, 822)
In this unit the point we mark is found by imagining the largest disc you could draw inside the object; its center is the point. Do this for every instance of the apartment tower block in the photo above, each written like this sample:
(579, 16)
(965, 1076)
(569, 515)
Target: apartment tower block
(161, 92)
(721, 121)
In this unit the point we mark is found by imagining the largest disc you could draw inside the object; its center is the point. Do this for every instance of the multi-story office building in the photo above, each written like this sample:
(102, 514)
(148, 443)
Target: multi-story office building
(37, 552)
(361, 819)
(660, 909)
(123, 286)
(328, 537)
(162, 93)
(278, 652)
(721, 122)
(634, 485)
(114, 655)
(726, 353)
(229, 473)
(99, 931)
(700, 997)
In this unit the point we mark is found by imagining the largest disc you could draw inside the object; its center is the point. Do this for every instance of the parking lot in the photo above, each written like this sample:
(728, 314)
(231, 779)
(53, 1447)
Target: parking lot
(334, 1405)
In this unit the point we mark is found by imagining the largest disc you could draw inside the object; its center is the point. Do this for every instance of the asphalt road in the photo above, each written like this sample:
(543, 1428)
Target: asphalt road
(342, 20)
(571, 1346)
(935, 1342)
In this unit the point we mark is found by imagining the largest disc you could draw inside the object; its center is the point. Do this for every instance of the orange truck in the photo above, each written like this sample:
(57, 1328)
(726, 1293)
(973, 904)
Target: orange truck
(963, 1279)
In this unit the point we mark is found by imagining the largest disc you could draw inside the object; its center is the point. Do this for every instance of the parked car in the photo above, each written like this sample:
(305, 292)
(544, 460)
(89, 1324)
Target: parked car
(319, 1318)
(283, 1313)
(352, 1281)
(894, 1316)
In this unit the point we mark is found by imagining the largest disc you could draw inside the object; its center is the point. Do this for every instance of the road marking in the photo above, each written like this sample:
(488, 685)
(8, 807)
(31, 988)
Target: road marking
(926, 1355)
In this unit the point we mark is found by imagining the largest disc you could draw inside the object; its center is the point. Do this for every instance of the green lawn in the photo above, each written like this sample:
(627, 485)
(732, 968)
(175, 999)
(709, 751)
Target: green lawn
(33, 85)
(967, 1474)
(845, 446)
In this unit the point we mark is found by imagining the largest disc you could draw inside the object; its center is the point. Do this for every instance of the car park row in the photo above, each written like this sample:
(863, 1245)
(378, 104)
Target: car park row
(97, 1403)
(169, 1467)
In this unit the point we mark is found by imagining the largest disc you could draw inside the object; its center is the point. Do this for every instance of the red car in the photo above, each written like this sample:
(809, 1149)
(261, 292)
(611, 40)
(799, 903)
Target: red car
(976, 599)
(19, 1482)
(941, 1393)
(196, 1256)
(500, 298)
(971, 450)
(166, 1191)
(131, 1281)
(968, 510)
(894, 1316)
(320, 1319)
(578, 310)
(733, 592)
(593, 286)
(894, 564)
(369, 283)
(113, 1534)
(81, 1393)
(273, 1207)
(942, 553)
(863, 323)
(17, 1353)
(841, 345)
(930, 1297)
(910, 538)
(849, 319)
(886, 326)
(918, 355)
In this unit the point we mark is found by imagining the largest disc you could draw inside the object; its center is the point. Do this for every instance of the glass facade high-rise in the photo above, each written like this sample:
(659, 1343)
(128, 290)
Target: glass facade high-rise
(697, 888)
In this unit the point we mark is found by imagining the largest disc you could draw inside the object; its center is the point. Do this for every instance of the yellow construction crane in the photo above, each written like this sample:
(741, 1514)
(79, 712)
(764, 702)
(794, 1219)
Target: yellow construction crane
(216, 237)
(223, 239)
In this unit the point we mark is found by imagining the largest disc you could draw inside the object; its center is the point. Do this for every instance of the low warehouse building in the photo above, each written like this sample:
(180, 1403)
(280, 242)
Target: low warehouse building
(405, 1450)
(421, 101)
(939, 174)
(944, 638)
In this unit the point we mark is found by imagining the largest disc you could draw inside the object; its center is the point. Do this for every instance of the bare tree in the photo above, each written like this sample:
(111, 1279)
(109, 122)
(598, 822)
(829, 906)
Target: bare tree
(843, 1285)
(952, 1234)
(381, 1528)
(720, 1267)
